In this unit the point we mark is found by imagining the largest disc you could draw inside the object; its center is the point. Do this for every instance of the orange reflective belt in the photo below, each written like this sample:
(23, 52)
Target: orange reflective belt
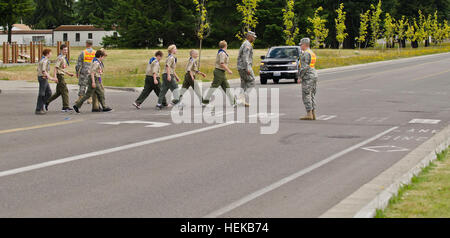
(89, 56)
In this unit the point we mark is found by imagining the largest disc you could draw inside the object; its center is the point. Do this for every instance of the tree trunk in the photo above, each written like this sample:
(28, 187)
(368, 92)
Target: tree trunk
(200, 55)
(415, 44)
(10, 33)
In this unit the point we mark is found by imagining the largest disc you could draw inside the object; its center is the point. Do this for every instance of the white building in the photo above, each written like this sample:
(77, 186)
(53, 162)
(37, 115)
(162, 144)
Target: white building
(23, 34)
(78, 34)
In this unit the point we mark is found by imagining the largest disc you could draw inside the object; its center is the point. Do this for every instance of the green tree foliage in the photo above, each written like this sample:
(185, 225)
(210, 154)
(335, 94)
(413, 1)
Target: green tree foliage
(249, 19)
(389, 30)
(92, 11)
(49, 14)
(375, 22)
(319, 32)
(203, 25)
(340, 25)
(12, 11)
(290, 30)
(363, 28)
(401, 28)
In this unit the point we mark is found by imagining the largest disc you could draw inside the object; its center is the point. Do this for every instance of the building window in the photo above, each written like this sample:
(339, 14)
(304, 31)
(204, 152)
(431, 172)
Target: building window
(90, 36)
(77, 37)
(38, 38)
(65, 37)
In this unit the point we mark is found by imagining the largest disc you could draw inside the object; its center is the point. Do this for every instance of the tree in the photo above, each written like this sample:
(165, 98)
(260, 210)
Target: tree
(319, 31)
(364, 25)
(410, 34)
(249, 19)
(12, 11)
(375, 22)
(402, 25)
(203, 25)
(290, 31)
(389, 30)
(340, 25)
(50, 14)
(92, 11)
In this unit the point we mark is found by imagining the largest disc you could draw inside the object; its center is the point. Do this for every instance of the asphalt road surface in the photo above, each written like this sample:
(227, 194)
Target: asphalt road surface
(68, 165)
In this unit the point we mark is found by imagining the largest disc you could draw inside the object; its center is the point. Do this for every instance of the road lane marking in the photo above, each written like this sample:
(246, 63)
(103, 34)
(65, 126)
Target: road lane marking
(149, 124)
(292, 177)
(385, 149)
(424, 121)
(109, 151)
(431, 75)
(40, 126)
(326, 117)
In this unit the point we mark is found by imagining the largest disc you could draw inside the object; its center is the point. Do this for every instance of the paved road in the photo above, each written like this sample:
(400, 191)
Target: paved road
(66, 165)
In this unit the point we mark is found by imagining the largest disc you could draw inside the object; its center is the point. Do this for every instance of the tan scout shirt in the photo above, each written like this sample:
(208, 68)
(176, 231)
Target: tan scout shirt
(97, 68)
(192, 66)
(222, 58)
(172, 63)
(153, 68)
(44, 65)
(61, 65)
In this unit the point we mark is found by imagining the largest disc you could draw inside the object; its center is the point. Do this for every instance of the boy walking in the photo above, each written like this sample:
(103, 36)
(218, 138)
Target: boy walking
(95, 87)
(61, 88)
(191, 72)
(152, 80)
(170, 78)
(43, 72)
(220, 78)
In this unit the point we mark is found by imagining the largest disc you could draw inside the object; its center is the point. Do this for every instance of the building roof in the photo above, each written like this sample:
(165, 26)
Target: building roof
(28, 32)
(78, 28)
(21, 27)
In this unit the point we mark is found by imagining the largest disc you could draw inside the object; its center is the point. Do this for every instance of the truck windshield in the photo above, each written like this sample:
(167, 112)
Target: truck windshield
(280, 53)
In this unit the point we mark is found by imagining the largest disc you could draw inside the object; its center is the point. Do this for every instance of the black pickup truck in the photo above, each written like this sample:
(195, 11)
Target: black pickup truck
(281, 62)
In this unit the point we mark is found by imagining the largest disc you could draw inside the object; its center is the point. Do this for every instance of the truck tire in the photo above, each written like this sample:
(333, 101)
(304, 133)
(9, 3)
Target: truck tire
(263, 81)
(276, 81)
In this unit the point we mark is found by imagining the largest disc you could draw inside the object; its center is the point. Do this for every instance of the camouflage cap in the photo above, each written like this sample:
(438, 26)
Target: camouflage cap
(305, 41)
(251, 33)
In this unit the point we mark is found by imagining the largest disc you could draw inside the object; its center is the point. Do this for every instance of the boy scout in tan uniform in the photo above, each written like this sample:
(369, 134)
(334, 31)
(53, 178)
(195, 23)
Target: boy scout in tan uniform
(95, 86)
(82, 68)
(220, 79)
(43, 72)
(189, 79)
(61, 88)
(152, 82)
(170, 78)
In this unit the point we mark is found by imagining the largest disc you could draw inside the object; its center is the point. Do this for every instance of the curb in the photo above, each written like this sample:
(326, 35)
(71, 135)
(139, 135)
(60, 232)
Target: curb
(377, 193)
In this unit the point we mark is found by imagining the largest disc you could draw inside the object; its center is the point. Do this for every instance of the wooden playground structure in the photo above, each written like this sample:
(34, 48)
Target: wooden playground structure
(26, 53)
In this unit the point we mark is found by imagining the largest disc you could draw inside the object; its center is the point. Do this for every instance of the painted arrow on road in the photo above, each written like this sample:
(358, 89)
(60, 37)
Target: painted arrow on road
(385, 149)
(149, 123)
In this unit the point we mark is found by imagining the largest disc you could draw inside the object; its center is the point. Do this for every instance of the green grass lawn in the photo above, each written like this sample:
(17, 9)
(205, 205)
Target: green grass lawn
(126, 67)
(428, 195)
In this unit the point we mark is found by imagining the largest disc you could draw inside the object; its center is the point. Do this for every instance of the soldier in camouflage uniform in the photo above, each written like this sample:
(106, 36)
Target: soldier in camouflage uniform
(308, 79)
(82, 68)
(245, 66)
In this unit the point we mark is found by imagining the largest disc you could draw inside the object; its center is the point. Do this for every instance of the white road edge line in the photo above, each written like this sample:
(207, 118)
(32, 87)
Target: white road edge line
(109, 151)
(292, 177)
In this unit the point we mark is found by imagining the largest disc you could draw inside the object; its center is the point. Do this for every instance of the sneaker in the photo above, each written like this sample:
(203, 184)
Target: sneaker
(75, 108)
(107, 109)
(137, 106)
(46, 106)
(159, 107)
(40, 112)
